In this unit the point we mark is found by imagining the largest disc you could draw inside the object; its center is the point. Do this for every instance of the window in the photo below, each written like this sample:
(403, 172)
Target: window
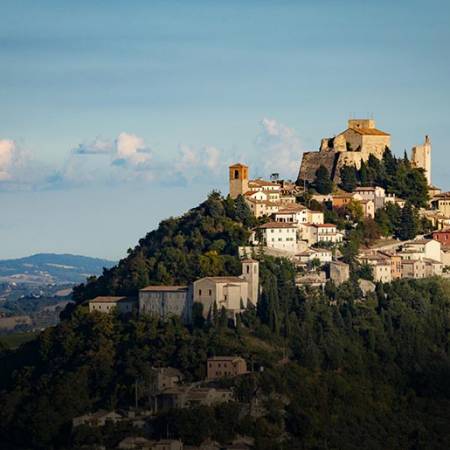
(200, 292)
(236, 174)
(210, 292)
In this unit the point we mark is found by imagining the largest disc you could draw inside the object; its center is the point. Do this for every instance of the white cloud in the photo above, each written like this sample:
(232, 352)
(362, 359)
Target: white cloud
(197, 164)
(7, 149)
(130, 150)
(278, 149)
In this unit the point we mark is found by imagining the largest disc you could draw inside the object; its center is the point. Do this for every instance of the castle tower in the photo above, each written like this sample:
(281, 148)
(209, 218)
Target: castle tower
(250, 273)
(238, 180)
(421, 158)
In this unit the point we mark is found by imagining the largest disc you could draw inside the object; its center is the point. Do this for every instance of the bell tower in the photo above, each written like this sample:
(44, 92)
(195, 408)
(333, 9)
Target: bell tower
(238, 177)
(250, 273)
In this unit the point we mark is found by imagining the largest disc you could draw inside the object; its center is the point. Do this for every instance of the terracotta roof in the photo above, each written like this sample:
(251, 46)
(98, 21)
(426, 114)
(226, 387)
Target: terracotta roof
(229, 279)
(277, 225)
(164, 288)
(108, 299)
(295, 207)
(224, 358)
(368, 131)
(262, 202)
(262, 183)
(238, 165)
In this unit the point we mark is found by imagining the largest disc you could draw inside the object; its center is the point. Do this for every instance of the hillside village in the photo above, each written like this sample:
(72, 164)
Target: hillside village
(312, 226)
(325, 249)
(312, 223)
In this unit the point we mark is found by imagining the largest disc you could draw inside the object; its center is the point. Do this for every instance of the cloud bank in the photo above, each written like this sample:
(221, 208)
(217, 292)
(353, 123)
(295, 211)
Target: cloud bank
(127, 158)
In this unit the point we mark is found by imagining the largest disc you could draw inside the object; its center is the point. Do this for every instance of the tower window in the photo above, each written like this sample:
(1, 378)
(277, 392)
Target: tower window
(236, 174)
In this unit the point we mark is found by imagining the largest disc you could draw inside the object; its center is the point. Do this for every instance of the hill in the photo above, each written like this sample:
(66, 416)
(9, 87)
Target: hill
(48, 268)
(335, 368)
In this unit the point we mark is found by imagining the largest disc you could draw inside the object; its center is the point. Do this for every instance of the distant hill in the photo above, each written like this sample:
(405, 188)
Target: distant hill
(51, 268)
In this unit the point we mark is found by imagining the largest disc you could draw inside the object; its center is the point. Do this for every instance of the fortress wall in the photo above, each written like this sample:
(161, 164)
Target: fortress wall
(311, 161)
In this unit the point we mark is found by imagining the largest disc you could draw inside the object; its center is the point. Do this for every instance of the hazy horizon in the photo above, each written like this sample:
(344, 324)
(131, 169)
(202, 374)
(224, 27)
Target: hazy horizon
(117, 116)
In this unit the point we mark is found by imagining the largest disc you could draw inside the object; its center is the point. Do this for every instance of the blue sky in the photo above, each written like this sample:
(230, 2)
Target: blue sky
(117, 114)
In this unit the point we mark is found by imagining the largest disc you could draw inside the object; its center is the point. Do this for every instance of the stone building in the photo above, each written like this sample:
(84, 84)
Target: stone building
(229, 292)
(166, 301)
(421, 158)
(189, 396)
(165, 378)
(108, 304)
(354, 145)
(225, 366)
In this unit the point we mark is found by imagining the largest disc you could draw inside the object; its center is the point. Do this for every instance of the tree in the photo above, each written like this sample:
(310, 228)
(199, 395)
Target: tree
(348, 178)
(323, 183)
(408, 223)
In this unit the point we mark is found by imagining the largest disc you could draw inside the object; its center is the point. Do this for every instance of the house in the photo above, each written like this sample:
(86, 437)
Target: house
(165, 378)
(188, 396)
(97, 419)
(432, 267)
(298, 214)
(292, 214)
(141, 443)
(441, 202)
(261, 208)
(225, 366)
(396, 263)
(278, 235)
(413, 268)
(317, 233)
(306, 257)
(229, 292)
(443, 236)
(376, 194)
(311, 280)
(368, 207)
(421, 248)
(166, 301)
(342, 200)
(391, 198)
(381, 267)
(339, 272)
(107, 304)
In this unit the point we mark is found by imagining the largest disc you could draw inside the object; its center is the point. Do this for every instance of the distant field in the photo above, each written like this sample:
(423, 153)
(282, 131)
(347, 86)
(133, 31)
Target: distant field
(15, 340)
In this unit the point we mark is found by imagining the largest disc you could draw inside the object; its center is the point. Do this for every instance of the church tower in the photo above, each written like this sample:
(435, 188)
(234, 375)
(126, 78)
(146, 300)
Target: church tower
(250, 273)
(238, 180)
(421, 158)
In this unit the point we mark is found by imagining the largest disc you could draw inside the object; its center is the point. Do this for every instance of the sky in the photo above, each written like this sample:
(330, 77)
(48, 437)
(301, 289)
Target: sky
(117, 114)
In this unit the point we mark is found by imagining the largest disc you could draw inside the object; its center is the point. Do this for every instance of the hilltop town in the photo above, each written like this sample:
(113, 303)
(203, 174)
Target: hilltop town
(250, 320)
(339, 202)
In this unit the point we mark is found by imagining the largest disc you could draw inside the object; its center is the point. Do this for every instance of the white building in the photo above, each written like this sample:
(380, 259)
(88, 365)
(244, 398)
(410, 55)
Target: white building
(316, 233)
(421, 248)
(321, 254)
(278, 235)
(376, 193)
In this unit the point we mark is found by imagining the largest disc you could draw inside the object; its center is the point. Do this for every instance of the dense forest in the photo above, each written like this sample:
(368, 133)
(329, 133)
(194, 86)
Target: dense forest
(341, 370)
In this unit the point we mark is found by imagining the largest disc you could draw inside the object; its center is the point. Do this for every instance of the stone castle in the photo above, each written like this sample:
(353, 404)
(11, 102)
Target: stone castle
(354, 145)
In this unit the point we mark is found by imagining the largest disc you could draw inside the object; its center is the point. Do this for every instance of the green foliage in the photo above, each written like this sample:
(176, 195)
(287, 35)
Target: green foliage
(323, 183)
(202, 242)
(349, 178)
(408, 223)
(396, 175)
